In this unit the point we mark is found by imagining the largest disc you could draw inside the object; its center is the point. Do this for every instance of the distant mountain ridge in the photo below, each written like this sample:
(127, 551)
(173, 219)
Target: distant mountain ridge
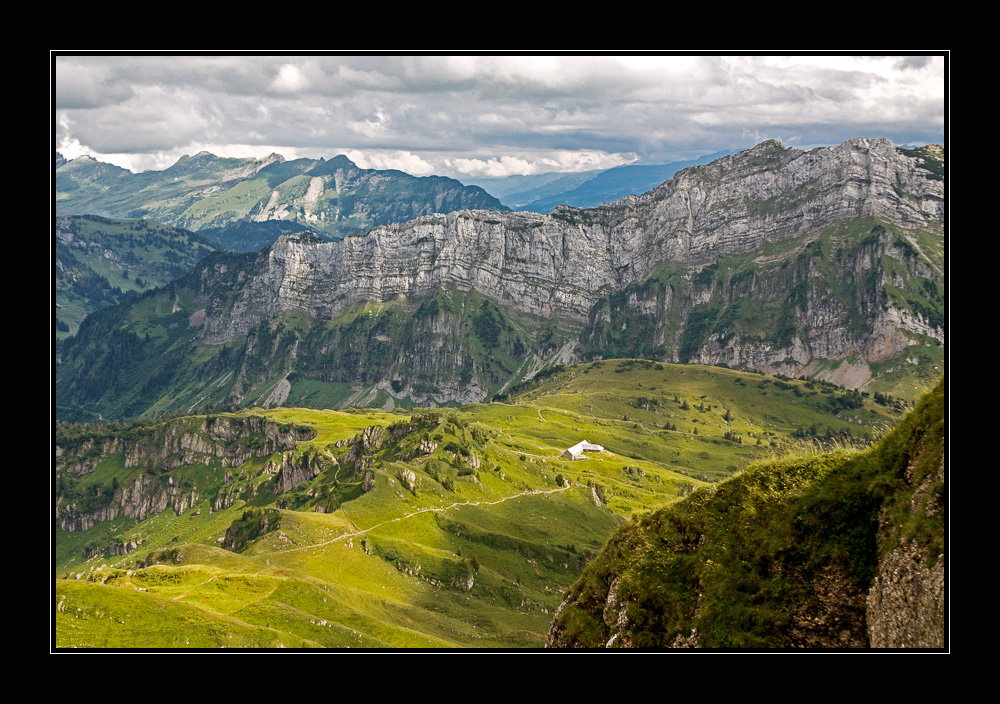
(517, 192)
(561, 265)
(543, 193)
(332, 197)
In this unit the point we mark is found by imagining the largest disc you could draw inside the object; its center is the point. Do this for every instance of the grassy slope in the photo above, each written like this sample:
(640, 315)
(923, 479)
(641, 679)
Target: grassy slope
(391, 567)
(736, 562)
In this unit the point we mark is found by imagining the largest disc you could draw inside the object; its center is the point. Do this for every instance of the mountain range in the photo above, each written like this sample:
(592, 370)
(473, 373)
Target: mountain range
(543, 193)
(209, 494)
(230, 196)
(825, 264)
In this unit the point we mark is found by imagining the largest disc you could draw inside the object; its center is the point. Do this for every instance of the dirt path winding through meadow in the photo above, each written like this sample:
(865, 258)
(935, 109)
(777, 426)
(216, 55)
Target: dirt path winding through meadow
(188, 593)
(345, 536)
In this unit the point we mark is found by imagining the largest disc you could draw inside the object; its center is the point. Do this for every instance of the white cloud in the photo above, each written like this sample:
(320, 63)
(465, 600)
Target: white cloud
(290, 79)
(365, 79)
(152, 119)
(565, 161)
(399, 160)
(67, 145)
(492, 168)
(80, 84)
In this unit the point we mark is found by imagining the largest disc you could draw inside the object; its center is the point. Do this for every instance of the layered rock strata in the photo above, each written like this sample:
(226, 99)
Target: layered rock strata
(558, 265)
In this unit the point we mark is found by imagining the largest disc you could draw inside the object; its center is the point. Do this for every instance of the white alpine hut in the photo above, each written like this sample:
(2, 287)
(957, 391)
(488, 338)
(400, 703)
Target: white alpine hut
(576, 452)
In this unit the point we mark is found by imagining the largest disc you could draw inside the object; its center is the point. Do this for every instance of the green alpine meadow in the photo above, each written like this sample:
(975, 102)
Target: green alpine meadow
(444, 528)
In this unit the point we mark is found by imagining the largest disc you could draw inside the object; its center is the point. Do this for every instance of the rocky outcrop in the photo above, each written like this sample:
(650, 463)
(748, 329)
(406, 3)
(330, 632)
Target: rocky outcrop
(226, 497)
(123, 548)
(365, 444)
(905, 608)
(369, 482)
(227, 441)
(253, 524)
(906, 605)
(231, 440)
(144, 497)
(296, 468)
(408, 479)
(425, 447)
(374, 438)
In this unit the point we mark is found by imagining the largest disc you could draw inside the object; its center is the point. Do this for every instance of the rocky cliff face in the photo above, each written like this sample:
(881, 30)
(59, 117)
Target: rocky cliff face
(573, 263)
(230, 440)
(366, 445)
(144, 496)
(773, 259)
(833, 299)
(222, 440)
(296, 468)
(906, 604)
(558, 265)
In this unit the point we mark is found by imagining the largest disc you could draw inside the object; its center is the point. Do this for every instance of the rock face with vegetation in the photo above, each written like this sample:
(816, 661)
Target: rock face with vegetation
(906, 603)
(249, 527)
(559, 265)
(824, 264)
(843, 550)
(142, 457)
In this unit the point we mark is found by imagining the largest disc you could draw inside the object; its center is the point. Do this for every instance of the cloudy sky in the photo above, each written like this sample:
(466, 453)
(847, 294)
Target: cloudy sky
(485, 116)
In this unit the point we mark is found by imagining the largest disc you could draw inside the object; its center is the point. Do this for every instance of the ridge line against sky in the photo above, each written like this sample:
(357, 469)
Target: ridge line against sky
(485, 116)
